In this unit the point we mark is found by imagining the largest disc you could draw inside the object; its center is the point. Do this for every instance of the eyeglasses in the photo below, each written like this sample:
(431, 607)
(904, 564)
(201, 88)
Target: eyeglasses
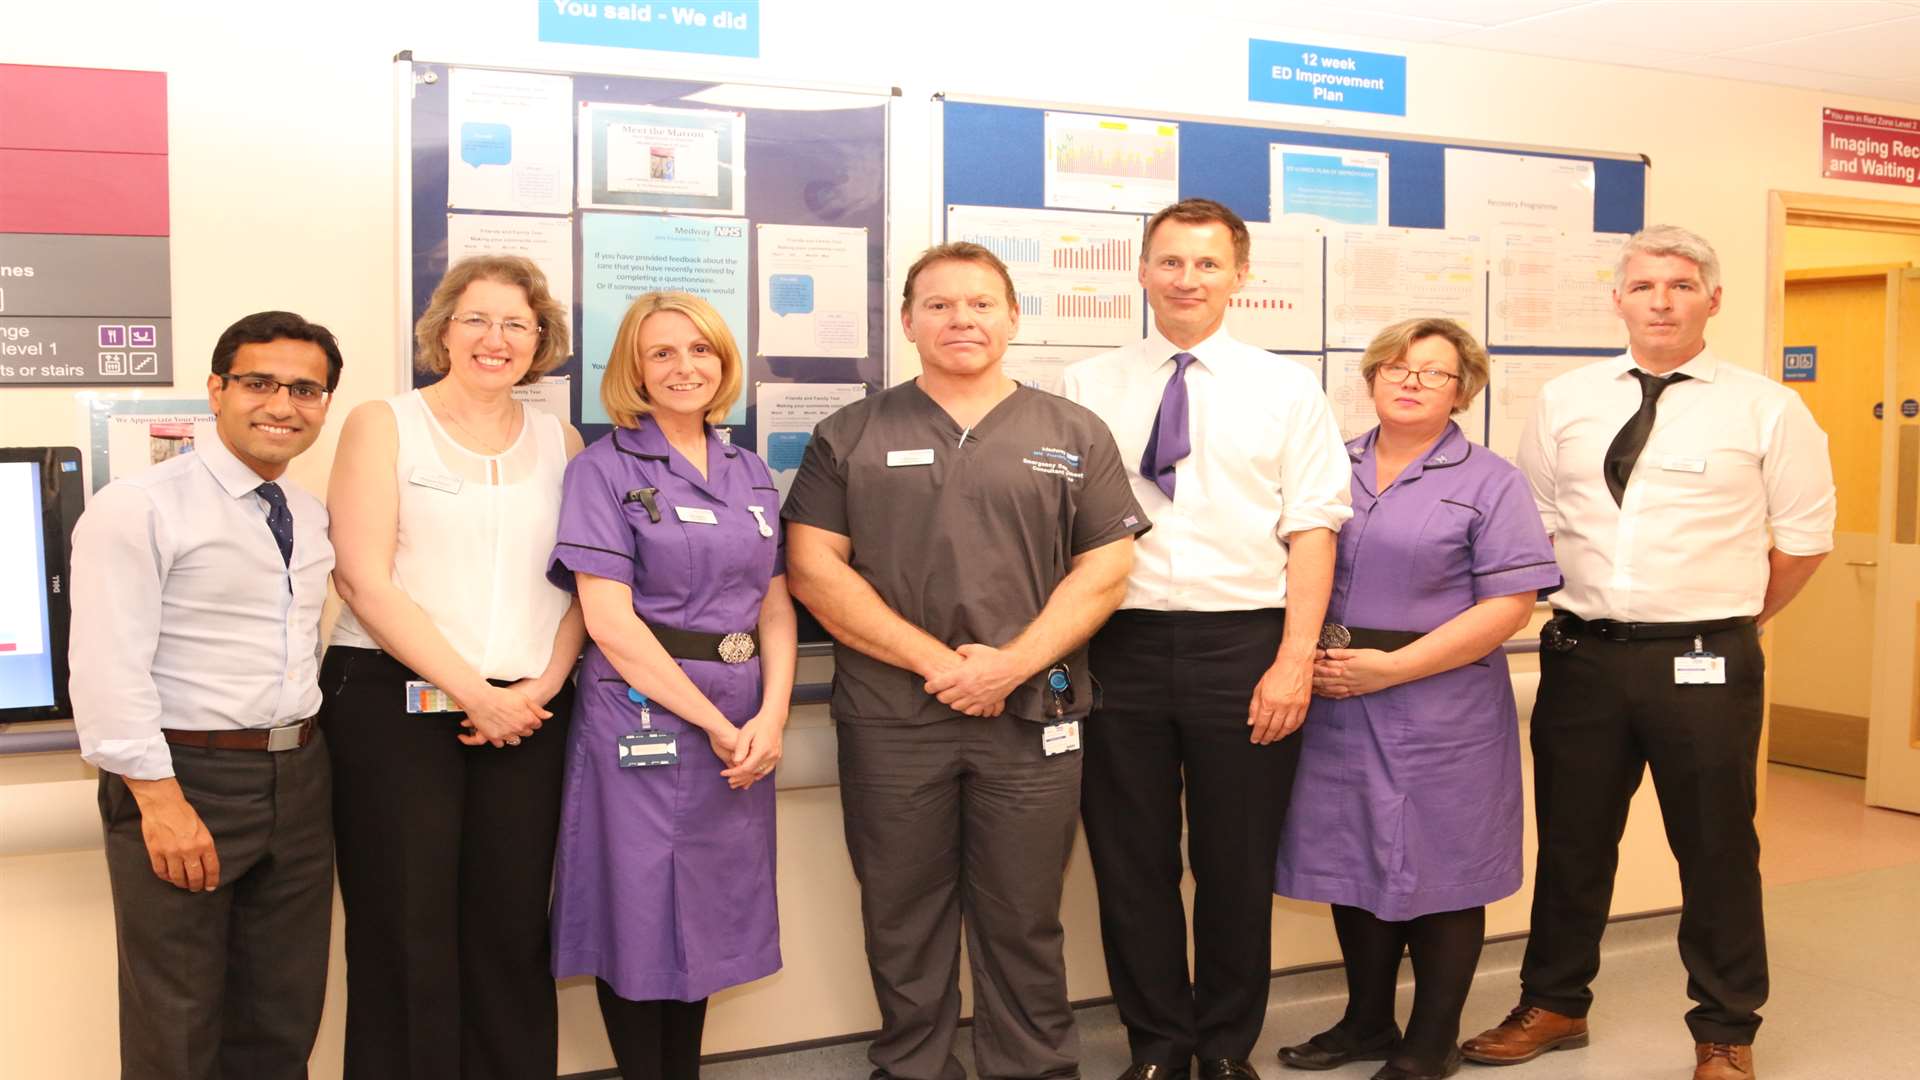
(478, 325)
(304, 393)
(1431, 378)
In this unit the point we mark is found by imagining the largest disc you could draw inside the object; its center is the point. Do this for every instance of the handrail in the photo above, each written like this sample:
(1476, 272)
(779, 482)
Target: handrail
(819, 693)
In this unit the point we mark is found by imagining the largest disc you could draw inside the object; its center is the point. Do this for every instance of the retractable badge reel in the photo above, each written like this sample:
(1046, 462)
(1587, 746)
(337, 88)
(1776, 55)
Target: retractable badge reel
(1060, 736)
(647, 748)
(1698, 667)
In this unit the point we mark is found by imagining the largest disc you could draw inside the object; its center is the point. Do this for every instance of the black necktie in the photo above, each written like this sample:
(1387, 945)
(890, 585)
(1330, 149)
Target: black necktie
(279, 519)
(1632, 439)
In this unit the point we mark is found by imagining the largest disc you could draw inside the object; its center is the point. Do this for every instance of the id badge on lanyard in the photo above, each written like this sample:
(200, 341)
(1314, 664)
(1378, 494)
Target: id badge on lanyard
(1698, 667)
(647, 748)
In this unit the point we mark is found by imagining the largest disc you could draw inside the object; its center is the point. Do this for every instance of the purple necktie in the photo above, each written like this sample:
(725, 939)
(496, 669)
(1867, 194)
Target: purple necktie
(1168, 442)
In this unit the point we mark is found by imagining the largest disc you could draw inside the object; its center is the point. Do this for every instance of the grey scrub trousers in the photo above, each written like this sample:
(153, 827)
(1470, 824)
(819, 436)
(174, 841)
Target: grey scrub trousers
(952, 819)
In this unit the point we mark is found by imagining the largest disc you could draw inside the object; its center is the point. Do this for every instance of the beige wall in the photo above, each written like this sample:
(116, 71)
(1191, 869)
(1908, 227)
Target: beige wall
(282, 136)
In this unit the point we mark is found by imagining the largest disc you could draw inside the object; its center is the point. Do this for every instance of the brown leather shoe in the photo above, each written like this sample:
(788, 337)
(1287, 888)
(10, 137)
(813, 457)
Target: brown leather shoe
(1722, 1061)
(1526, 1033)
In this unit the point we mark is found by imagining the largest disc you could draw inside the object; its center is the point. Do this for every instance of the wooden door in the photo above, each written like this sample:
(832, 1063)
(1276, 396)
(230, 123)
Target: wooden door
(1893, 760)
(1821, 647)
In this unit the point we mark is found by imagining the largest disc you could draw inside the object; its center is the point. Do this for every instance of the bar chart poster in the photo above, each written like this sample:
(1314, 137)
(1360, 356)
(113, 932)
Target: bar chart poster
(1111, 162)
(1280, 305)
(1076, 274)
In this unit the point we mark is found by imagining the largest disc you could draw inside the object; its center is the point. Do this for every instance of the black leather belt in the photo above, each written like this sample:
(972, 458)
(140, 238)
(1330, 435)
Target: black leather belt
(286, 737)
(1617, 631)
(1336, 636)
(734, 648)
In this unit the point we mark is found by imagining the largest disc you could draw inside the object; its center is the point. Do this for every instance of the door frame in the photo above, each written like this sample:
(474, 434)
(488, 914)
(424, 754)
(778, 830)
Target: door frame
(1786, 208)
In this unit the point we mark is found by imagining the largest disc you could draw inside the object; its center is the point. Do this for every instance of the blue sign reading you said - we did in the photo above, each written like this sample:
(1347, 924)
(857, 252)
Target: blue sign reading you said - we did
(726, 28)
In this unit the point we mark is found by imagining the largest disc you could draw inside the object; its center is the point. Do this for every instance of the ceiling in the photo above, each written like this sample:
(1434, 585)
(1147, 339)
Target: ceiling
(1865, 47)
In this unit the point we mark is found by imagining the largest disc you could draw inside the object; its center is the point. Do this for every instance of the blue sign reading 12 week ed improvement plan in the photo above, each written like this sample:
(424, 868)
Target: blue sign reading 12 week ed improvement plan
(729, 28)
(1288, 73)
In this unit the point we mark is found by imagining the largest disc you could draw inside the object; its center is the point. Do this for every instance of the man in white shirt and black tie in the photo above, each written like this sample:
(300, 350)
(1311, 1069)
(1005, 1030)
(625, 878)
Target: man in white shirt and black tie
(1207, 666)
(197, 590)
(1689, 500)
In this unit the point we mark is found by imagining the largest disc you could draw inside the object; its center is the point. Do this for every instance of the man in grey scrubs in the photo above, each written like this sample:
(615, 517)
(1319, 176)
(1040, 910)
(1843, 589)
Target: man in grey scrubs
(961, 536)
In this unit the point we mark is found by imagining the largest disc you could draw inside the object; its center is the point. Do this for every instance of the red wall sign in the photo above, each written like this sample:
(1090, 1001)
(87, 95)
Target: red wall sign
(1870, 147)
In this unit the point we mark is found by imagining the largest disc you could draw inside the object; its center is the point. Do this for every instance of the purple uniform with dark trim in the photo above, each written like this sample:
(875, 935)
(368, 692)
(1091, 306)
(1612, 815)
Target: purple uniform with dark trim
(664, 880)
(1408, 799)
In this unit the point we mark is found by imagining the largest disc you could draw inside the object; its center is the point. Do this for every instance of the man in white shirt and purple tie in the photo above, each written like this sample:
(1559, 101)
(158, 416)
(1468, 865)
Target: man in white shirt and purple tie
(197, 590)
(1689, 500)
(1207, 666)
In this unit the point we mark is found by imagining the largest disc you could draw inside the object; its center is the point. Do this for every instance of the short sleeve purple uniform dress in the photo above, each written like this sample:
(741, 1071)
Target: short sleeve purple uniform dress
(1408, 800)
(664, 878)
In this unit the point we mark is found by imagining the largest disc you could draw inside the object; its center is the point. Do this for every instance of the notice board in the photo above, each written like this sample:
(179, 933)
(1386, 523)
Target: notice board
(1352, 231)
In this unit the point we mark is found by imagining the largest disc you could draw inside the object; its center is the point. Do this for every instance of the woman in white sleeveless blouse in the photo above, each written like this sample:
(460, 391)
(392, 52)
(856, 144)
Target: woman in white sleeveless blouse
(448, 694)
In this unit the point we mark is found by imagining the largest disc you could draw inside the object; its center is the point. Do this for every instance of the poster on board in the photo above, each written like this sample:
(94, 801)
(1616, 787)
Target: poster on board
(509, 141)
(624, 255)
(1280, 305)
(813, 290)
(1487, 190)
(547, 241)
(635, 157)
(1323, 183)
(1076, 275)
(785, 415)
(1377, 277)
(1111, 162)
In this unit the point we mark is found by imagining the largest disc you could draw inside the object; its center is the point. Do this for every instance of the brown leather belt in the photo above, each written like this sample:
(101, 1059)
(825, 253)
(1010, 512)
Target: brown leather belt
(735, 648)
(287, 737)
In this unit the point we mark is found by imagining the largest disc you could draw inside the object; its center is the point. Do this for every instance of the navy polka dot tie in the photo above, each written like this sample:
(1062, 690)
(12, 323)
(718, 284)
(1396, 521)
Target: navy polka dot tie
(279, 519)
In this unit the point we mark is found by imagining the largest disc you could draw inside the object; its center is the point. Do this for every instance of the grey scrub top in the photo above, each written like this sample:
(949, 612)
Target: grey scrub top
(964, 538)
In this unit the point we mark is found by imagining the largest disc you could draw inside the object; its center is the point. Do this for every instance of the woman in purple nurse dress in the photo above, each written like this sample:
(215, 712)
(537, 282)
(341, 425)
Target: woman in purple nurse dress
(1406, 814)
(664, 881)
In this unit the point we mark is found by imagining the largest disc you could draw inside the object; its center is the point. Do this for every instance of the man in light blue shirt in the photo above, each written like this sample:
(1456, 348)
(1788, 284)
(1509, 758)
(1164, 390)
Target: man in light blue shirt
(197, 591)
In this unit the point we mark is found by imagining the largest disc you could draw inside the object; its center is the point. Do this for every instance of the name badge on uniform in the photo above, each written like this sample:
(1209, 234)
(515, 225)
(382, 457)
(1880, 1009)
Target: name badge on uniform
(696, 515)
(1060, 738)
(897, 458)
(437, 481)
(1698, 667)
(1685, 464)
(646, 749)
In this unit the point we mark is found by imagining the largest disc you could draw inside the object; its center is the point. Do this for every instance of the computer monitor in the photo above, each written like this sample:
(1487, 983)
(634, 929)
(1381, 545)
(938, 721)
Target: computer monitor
(41, 496)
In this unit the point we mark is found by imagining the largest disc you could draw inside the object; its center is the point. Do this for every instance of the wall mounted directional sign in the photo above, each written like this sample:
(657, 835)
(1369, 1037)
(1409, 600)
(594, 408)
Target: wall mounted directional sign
(85, 292)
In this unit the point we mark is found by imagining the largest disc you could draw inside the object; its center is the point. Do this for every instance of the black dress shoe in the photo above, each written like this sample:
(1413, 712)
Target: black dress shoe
(1336, 1046)
(1227, 1069)
(1447, 1068)
(1151, 1072)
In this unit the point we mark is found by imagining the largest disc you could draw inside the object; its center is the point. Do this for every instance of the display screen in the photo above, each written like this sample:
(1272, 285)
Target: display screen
(39, 499)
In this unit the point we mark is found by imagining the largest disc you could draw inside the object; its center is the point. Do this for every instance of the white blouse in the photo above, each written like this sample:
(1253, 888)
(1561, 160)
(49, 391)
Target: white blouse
(475, 534)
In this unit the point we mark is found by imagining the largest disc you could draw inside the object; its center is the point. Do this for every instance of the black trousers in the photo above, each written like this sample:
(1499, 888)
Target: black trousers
(653, 1040)
(228, 984)
(1173, 716)
(1606, 713)
(446, 867)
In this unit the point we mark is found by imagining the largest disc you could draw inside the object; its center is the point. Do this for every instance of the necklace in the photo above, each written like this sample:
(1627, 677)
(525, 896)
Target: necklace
(485, 444)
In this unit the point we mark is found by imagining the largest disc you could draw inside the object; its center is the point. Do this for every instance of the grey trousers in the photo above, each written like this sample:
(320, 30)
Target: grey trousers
(963, 821)
(228, 984)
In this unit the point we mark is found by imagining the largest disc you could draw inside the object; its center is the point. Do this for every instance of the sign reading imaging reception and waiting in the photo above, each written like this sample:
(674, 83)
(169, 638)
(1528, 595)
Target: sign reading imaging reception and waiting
(85, 296)
(718, 27)
(1288, 73)
(1869, 147)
